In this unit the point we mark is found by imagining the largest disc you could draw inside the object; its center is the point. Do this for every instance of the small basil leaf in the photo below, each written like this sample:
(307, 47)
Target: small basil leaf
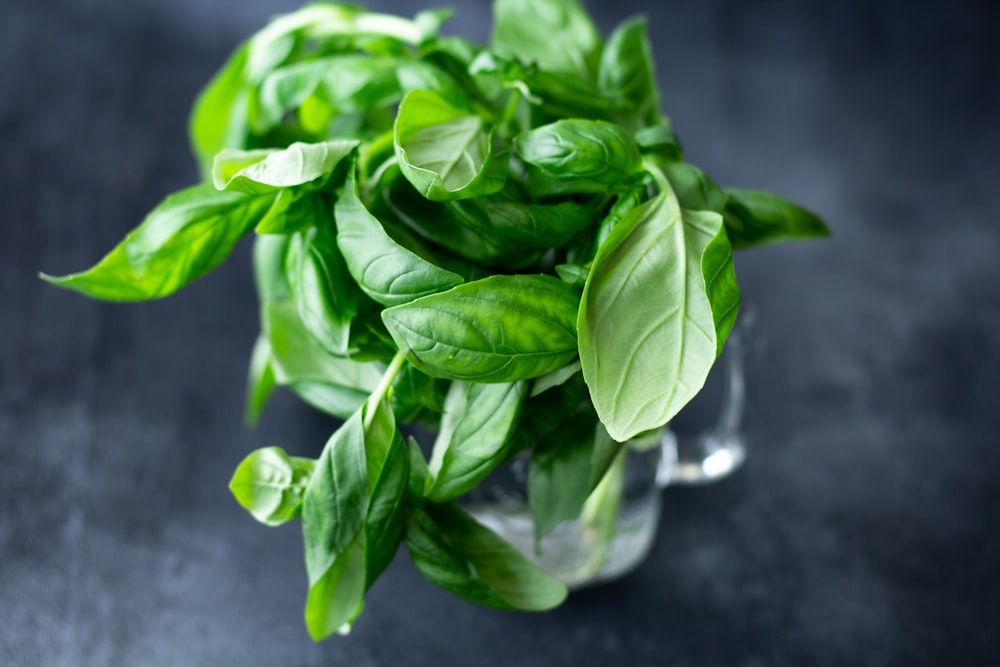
(385, 270)
(260, 380)
(757, 218)
(293, 210)
(558, 35)
(573, 274)
(554, 379)
(270, 485)
(337, 597)
(660, 140)
(475, 428)
(388, 475)
(413, 391)
(322, 287)
(444, 151)
(547, 413)
(626, 75)
(183, 238)
(261, 171)
(499, 329)
(594, 153)
(625, 203)
(269, 253)
(453, 551)
(644, 358)
(695, 191)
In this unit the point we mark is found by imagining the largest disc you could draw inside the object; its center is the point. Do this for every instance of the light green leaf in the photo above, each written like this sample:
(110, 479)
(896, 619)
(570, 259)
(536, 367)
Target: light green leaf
(270, 485)
(389, 273)
(262, 171)
(554, 379)
(660, 300)
(446, 152)
(476, 426)
(183, 238)
(499, 329)
(558, 35)
(260, 380)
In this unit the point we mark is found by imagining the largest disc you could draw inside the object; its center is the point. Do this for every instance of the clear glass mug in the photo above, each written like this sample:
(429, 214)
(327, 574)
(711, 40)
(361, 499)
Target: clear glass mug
(616, 529)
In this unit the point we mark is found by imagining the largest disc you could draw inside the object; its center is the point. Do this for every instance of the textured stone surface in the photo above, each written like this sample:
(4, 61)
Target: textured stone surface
(863, 529)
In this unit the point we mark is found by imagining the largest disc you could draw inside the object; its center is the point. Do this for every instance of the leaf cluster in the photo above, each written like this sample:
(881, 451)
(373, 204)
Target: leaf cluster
(502, 241)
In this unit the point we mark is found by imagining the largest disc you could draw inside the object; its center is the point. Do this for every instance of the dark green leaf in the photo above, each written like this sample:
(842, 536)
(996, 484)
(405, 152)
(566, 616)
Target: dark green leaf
(499, 329)
(182, 239)
(694, 189)
(325, 293)
(626, 75)
(385, 270)
(539, 225)
(554, 379)
(757, 218)
(414, 391)
(444, 151)
(454, 552)
(559, 475)
(270, 485)
(556, 34)
(660, 140)
(475, 429)
(660, 300)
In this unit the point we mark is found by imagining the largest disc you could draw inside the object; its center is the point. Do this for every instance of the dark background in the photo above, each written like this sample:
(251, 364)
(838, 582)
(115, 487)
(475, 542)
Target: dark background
(863, 529)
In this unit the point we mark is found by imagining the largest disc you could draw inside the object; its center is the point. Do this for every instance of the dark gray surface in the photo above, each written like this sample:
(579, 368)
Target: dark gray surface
(863, 529)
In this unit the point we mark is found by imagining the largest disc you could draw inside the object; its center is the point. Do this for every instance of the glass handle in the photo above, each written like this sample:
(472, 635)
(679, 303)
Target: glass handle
(714, 452)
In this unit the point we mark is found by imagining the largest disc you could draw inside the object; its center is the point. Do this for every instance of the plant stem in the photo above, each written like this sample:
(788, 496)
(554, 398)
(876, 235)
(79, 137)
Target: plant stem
(383, 387)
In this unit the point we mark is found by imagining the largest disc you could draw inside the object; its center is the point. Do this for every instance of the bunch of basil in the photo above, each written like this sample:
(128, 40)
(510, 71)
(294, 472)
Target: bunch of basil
(504, 242)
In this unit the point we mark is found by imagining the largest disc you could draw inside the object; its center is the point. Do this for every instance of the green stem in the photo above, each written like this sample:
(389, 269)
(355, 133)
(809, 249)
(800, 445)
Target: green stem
(383, 387)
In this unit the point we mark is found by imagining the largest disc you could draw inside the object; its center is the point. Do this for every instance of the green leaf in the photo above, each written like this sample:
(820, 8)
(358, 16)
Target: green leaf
(322, 287)
(269, 254)
(587, 156)
(627, 76)
(293, 210)
(414, 391)
(260, 380)
(219, 116)
(499, 329)
(573, 274)
(556, 34)
(270, 485)
(337, 597)
(757, 218)
(660, 300)
(660, 140)
(539, 225)
(452, 551)
(331, 384)
(550, 412)
(389, 273)
(346, 83)
(186, 236)
(262, 171)
(554, 379)
(695, 191)
(445, 151)
(559, 474)
(476, 427)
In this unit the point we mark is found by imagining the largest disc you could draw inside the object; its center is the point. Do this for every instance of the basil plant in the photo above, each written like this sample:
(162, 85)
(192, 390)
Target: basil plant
(504, 242)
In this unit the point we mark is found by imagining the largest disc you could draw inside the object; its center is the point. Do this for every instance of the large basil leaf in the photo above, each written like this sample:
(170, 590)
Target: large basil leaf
(331, 384)
(325, 293)
(626, 75)
(659, 302)
(587, 155)
(558, 35)
(499, 329)
(476, 426)
(270, 484)
(445, 151)
(385, 270)
(186, 236)
(453, 551)
(261, 171)
(757, 218)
